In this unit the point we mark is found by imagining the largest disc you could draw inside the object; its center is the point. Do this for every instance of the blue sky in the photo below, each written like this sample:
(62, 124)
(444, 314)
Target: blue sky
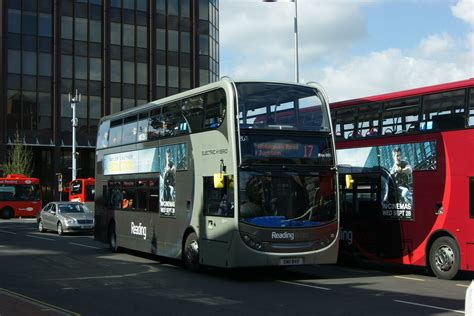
(354, 48)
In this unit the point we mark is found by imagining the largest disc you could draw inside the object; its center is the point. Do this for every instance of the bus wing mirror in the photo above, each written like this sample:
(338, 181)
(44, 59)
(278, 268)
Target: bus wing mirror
(349, 181)
(218, 181)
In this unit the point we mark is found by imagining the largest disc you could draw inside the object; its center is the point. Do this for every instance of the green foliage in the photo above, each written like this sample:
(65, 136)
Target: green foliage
(20, 158)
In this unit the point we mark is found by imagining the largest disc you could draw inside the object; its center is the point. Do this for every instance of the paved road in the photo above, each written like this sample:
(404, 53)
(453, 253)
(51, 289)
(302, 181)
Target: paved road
(47, 274)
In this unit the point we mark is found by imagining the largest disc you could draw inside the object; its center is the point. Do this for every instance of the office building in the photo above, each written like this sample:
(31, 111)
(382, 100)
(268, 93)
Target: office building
(117, 54)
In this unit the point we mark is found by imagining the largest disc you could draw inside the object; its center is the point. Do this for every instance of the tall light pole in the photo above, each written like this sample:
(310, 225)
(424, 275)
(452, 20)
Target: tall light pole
(297, 75)
(73, 100)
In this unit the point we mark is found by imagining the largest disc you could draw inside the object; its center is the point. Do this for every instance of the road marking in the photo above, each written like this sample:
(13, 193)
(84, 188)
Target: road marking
(44, 238)
(430, 306)
(7, 232)
(358, 271)
(81, 245)
(462, 285)
(37, 302)
(408, 278)
(305, 285)
(115, 276)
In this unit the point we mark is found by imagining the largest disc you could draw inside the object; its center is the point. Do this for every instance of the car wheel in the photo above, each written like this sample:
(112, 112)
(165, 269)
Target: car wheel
(7, 213)
(445, 258)
(191, 253)
(60, 229)
(113, 238)
(40, 226)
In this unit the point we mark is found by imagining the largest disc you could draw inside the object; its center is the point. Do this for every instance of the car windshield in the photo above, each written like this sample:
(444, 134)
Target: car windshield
(72, 208)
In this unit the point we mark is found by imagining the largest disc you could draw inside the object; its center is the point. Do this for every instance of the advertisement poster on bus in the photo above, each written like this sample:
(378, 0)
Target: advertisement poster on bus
(397, 163)
(165, 160)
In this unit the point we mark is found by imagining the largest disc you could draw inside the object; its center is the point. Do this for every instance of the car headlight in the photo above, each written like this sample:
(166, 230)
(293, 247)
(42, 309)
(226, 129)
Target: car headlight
(70, 221)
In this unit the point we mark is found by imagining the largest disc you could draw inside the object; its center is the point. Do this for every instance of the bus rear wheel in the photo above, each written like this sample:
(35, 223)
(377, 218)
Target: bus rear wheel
(191, 253)
(7, 213)
(445, 258)
(113, 238)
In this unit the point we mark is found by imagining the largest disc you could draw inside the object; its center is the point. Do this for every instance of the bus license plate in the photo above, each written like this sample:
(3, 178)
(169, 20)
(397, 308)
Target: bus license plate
(291, 261)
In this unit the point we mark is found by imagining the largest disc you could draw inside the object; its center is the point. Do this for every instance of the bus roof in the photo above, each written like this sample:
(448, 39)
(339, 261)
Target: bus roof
(406, 93)
(196, 91)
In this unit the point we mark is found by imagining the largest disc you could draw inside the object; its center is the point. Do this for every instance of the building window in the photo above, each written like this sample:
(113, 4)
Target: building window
(66, 27)
(115, 71)
(14, 61)
(128, 35)
(95, 31)
(45, 24)
(45, 64)
(95, 69)
(14, 21)
(128, 72)
(29, 63)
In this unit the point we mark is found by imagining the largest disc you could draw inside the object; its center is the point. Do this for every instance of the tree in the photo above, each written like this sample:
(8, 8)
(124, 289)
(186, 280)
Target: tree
(20, 158)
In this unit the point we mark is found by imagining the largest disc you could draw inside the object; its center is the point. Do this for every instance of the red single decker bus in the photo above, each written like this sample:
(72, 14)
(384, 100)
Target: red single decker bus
(19, 196)
(411, 158)
(82, 190)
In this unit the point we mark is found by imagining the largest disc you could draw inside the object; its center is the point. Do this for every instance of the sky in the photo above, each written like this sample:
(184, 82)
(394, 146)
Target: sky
(353, 48)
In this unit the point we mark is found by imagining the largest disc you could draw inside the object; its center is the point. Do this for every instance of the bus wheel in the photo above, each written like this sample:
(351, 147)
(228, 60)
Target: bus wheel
(40, 226)
(60, 229)
(445, 258)
(7, 213)
(113, 238)
(191, 253)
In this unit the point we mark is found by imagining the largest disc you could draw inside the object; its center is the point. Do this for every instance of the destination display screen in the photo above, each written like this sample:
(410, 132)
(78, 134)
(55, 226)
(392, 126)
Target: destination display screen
(289, 149)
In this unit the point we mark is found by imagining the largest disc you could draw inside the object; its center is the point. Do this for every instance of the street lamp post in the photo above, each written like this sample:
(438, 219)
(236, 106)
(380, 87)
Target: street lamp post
(73, 100)
(297, 75)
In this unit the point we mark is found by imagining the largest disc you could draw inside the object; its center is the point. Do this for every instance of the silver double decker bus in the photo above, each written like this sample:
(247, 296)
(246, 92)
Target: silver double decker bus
(231, 174)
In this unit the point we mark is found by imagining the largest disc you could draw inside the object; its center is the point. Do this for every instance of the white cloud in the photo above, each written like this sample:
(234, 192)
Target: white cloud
(387, 71)
(464, 10)
(258, 39)
(436, 45)
(261, 35)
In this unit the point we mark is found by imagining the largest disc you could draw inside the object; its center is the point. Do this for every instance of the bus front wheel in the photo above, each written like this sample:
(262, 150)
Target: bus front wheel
(445, 258)
(191, 253)
(7, 213)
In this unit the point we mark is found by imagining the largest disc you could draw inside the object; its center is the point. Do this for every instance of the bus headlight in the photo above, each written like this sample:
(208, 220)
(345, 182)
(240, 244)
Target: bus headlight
(252, 243)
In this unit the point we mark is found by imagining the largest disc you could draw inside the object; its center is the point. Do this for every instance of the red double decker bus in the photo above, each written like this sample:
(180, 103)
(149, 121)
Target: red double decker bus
(82, 190)
(411, 156)
(19, 196)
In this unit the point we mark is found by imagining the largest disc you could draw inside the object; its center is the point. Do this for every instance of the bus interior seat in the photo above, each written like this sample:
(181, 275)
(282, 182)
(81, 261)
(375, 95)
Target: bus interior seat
(412, 128)
(371, 132)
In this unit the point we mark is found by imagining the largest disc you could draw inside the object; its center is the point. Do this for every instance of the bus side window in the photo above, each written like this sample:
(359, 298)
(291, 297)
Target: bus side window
(154, 124)
(115, 134)
(214, 109)
(130, 130)
(142, 127)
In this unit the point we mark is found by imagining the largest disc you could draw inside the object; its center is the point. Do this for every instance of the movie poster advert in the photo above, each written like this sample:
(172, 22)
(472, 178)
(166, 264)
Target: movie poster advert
(396, 163)
(165, 160)
(168, 159)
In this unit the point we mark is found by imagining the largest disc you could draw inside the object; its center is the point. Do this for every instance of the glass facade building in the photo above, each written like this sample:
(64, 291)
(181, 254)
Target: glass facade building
(117, 54)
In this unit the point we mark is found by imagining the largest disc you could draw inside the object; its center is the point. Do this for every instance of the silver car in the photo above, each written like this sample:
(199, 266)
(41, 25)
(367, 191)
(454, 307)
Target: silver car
(65, 217)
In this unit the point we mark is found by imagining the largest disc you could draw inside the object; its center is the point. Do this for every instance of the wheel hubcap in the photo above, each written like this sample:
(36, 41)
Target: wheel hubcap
(193, 250)
(444, 258)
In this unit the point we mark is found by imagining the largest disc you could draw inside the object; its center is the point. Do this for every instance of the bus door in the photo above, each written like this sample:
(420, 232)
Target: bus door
(217, 225)
(365, 230)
